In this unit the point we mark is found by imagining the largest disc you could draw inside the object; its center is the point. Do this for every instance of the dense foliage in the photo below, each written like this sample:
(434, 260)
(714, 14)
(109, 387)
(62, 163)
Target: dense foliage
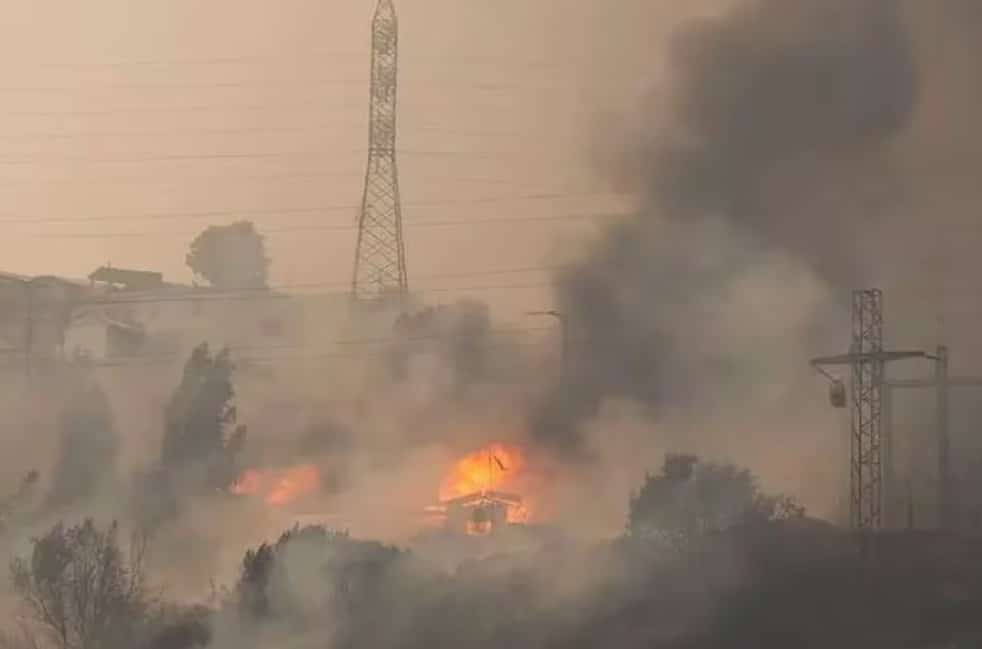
(707, 561)
(230, 256)
(201, 429)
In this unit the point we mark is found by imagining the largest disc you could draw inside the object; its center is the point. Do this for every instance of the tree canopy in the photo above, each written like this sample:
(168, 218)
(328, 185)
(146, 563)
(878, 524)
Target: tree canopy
(230, 256)
(81, 589)
(691, 498)
(200, 420)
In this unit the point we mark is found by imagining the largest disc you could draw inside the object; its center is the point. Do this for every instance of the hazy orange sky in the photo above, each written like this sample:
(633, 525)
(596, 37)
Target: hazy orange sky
(118, 120)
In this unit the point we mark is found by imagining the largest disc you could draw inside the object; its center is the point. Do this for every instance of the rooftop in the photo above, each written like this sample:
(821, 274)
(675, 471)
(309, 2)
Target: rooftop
(130, 279)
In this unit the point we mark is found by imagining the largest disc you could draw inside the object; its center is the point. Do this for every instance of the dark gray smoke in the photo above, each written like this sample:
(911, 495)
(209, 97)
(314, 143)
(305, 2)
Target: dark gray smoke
(784, 113)
(793, 154)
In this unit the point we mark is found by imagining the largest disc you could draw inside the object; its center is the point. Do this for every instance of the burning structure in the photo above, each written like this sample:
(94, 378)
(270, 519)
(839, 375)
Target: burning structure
(481, 513)
(470, 499)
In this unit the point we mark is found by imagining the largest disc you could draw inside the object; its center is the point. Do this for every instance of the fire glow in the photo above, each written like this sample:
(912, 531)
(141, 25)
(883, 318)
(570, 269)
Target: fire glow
(493, 468)
(278, 488)
(479, 483)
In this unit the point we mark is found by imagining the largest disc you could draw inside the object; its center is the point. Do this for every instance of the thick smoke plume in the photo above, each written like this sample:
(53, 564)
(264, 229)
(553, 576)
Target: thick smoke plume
(789, 156)
(796, 150)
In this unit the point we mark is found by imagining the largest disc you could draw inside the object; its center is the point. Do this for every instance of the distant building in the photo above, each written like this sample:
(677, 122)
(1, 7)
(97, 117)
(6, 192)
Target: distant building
(127, 280)
(118, 313)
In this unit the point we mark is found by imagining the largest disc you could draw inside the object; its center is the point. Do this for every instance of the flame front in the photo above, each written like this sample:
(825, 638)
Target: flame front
(278, 488)
(492, 468)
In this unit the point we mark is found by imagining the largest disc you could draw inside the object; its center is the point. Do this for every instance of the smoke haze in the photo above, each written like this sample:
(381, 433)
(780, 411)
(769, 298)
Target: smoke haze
(768, 156)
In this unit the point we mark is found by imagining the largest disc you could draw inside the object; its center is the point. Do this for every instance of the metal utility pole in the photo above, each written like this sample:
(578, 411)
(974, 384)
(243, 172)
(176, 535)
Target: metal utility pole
(29, 330)
(564, 333)
(867, 360)
(380, 257)
(944, 439)
(942, 383)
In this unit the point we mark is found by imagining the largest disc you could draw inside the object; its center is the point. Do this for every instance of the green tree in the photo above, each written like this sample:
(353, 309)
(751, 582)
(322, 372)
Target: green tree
(230, 256)
(81, 590)
(691, 498)
(200, 427)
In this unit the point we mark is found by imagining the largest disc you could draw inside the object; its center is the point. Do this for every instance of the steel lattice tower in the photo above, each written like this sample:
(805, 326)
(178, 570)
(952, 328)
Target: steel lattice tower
(870, 463)
(380, 257)
(866, 450)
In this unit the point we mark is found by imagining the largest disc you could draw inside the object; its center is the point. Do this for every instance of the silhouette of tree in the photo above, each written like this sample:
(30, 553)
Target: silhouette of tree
(691, 498)
(200, 420)
(81, 590)
(311, 570)
(230, 256)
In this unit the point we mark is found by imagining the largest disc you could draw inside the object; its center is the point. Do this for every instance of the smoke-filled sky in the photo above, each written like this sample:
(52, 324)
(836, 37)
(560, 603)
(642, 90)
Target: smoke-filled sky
(770, 155)
(120, 113)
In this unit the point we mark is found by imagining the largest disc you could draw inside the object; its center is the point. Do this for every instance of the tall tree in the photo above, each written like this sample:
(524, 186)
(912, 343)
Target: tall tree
(230, 256)
(200, 429)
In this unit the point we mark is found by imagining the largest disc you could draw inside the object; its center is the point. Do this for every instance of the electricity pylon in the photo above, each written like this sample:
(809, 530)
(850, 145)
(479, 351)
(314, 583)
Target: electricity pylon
(380, 257)
(867, 360)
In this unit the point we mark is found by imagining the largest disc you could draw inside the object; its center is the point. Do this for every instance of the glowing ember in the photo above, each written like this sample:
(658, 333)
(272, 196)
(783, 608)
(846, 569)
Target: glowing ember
(278, 487)
(519, 514)
(492, 468)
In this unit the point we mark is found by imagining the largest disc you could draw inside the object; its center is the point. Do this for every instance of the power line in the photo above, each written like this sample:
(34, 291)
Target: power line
(254, 155)
(307, 57)
(270, 291)
(355, 342)
(313, 103)
(288, 83)
(192, 85)
(217, 60)
(251, 130)
(270, 294)
(156, 180)
(178, 157)
(171, 358)
(323, 228)
(297, 210)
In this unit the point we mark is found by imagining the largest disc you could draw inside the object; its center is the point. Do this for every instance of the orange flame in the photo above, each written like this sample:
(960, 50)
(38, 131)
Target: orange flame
(295, 483)
(278, 488)
(494, 467)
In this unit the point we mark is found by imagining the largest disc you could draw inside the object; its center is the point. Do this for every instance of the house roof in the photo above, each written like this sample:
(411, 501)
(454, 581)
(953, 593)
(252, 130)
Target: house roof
(127, 277)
